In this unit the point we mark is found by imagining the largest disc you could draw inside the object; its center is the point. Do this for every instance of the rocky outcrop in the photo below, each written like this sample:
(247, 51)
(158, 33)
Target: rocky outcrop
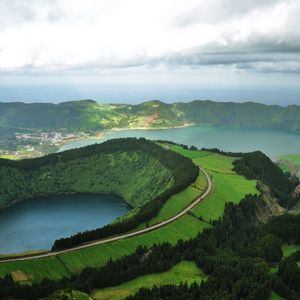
(268, 206)
(297, 191)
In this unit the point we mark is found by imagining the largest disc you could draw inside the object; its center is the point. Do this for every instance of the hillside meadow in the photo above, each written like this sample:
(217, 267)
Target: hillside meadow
(228, 186)
(185, 271)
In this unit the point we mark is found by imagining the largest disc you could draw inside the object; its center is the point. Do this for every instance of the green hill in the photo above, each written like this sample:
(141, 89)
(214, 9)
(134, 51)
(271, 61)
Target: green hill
(144, 174)
(90, 115)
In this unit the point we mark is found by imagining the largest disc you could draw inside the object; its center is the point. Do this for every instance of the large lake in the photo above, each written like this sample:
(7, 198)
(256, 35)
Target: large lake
(271, 142)
(35, 224)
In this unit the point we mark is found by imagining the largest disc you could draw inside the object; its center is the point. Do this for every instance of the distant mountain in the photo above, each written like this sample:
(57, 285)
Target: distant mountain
(90, 115)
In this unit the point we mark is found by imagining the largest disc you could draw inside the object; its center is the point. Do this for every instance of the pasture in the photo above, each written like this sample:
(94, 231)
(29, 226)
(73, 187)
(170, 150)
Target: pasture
(185, 271)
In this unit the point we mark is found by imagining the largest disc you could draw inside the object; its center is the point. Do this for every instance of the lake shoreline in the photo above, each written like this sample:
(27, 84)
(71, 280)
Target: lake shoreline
(272, 142)
(101, 134)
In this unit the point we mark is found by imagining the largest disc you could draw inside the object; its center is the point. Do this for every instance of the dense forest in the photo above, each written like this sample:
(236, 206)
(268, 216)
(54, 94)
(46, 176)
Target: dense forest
(89, 115)
(138, 170)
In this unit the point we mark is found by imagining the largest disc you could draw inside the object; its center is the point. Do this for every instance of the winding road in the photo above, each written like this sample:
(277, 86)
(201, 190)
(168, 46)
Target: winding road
(122, 236)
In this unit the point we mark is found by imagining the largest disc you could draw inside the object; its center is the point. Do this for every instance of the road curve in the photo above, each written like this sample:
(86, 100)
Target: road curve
(125, 235)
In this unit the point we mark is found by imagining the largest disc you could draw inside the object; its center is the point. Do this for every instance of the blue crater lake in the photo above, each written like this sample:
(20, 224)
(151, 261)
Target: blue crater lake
(271, 142)
(34, 224)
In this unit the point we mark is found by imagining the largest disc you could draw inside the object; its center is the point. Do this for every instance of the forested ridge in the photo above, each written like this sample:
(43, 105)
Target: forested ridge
(89, 115)
(140, 171)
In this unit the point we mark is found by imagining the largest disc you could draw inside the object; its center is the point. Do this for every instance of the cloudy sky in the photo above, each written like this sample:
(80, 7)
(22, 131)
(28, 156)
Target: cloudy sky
(136, 49)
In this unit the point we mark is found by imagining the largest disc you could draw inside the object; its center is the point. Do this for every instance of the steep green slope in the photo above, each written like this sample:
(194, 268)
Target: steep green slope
(119, 173)
(133, 173)
(89, 115)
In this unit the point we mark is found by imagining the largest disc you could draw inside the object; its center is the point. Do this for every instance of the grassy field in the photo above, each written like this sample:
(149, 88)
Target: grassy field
(176, 203)
(208, 160)
(275, 296)
(226, 188)
(200, 183)
(189, 153)
(8, 156)
(185, 271)
(227, 185)
(217, 163)
(37, 269)
(289, 249)
(184, 228)
(57, 267)
(274, 269)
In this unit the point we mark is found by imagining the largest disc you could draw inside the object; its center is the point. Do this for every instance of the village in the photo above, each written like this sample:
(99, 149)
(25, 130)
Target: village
(34, 144)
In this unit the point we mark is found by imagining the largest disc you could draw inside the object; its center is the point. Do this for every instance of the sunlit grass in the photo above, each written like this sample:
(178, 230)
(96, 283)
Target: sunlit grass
(185, 271)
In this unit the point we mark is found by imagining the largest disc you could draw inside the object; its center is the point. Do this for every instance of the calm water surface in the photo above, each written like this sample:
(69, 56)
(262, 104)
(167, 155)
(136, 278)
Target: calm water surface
(271, 142)
(36, 223)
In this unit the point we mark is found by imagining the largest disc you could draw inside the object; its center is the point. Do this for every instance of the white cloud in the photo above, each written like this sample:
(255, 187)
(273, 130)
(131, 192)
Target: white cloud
(98, 36)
